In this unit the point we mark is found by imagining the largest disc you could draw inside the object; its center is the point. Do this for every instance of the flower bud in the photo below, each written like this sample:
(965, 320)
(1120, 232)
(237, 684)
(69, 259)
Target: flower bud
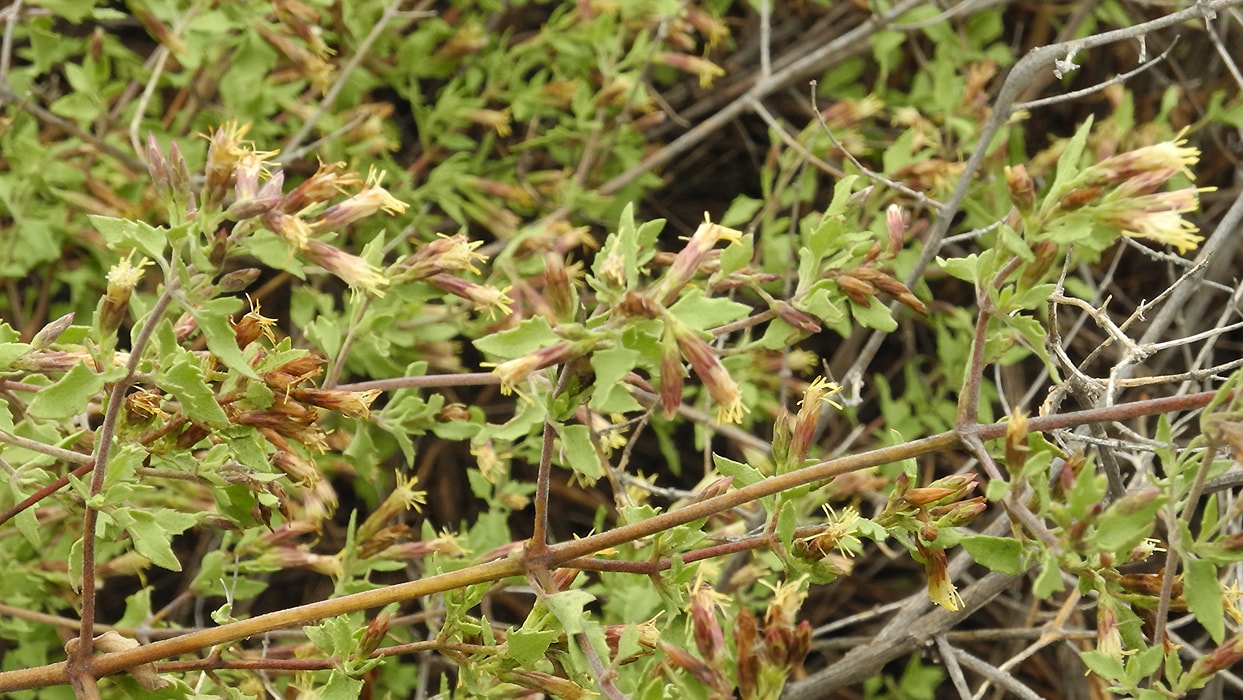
(49, 333)
(711, 372)
(671, 371)
(799, 319)
(1223, 657)
(374, 635)
(238, 280)
(705, 628)
(895, 227)
(1022, 187)
(859, 291)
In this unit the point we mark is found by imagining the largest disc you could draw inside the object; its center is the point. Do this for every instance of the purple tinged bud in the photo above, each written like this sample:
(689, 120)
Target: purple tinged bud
(238, 280)
(44, 338)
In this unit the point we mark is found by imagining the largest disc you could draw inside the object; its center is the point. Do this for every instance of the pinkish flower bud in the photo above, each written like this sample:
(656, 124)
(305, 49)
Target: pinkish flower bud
(559, 288)
(706, 629)
(374, 635)
(686, 661)
(711, 372)
(157, 168)
(1223, 657)
(895, 226)
(714, 488)
(1108, 634)
(799, 319)
(1022, 188)
(238, 280)
(746, 641)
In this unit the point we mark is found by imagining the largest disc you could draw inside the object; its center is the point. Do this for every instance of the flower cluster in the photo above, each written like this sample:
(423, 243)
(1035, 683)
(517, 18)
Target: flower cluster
(1124, 193)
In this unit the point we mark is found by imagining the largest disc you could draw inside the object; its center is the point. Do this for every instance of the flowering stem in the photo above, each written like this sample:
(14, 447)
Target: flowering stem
(79, 663)
(559, 554)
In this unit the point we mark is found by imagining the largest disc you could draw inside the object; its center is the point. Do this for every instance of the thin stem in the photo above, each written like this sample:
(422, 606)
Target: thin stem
(80, 660)
(558, 554)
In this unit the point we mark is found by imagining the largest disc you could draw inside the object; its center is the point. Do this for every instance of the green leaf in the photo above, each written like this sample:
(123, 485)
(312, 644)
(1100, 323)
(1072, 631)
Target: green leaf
(568, 606)
(703, 313)
(1103, 665)
(874, 315)
(736, 255)
(12, 352)
(1068, 163)
(787, 521)
(69, 396)
(122, 234)
(580, 452)
(528, 646)
(527, 337)
(185, 380)
(1127, 521)
(824, 301)
(966, 269)
(340, 687)
(612, 365)
(741, 211)
(1050, 579)
(152, 533)
(213, 319)
(1204, 596)
(744, 474)
(996, 553)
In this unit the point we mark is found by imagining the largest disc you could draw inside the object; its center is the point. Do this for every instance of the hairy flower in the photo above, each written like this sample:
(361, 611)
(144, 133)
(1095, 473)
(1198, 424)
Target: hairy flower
(687, 262)
(351, 269)
(514, 372)
(711, 372)
(941, 589)
(372, 199)
(805, 423)
(402, 498)
(325, 184)
(1156, 216)
(446, 254)
(484, 297)
(123, 277)
(353, 404)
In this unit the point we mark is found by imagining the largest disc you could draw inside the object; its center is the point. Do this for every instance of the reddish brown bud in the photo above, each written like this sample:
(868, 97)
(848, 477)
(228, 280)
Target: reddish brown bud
(1081, 197)
(859, 291)
(1022, 188)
